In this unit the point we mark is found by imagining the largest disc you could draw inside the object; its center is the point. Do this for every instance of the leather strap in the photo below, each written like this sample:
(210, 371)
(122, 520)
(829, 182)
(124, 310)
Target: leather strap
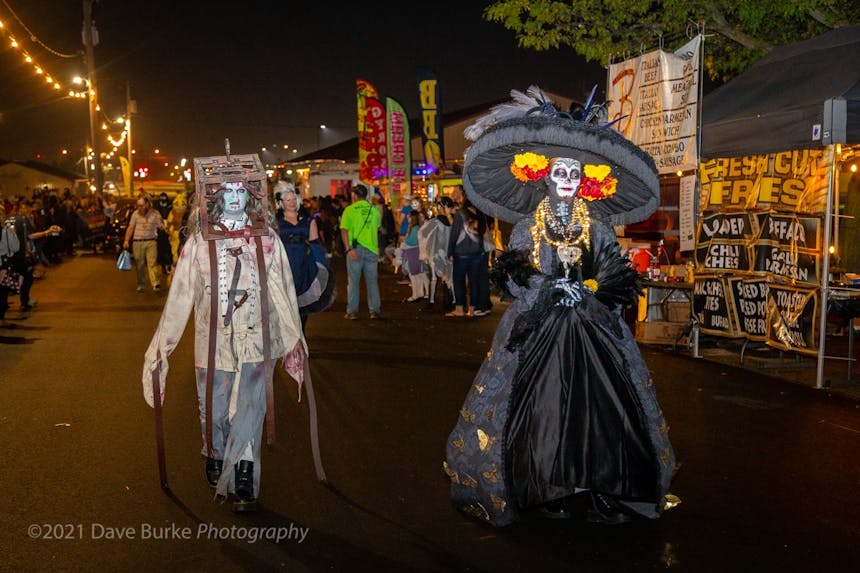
(267, 343)
(213, 336)
(159, 425)
(312, 410)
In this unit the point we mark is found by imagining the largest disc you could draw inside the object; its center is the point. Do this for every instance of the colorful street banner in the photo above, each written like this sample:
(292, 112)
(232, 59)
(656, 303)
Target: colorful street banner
(655, 97)
(399, 151)
(786, 181)
(431, 119)
(372, 134)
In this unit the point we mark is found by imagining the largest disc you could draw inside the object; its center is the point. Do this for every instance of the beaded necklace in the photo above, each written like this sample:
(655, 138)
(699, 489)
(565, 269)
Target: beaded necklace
(574, 235)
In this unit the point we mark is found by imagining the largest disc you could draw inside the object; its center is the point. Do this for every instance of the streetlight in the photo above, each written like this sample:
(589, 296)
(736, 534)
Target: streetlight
(319, 135)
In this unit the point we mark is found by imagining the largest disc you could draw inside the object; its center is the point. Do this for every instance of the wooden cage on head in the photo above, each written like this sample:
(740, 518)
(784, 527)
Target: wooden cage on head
(211, 174)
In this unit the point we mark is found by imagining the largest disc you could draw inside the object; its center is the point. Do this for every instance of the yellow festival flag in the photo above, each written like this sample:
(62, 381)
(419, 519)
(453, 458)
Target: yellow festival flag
(126, 175)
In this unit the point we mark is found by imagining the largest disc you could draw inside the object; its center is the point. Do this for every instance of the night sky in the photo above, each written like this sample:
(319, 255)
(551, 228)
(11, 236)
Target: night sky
(260, 73)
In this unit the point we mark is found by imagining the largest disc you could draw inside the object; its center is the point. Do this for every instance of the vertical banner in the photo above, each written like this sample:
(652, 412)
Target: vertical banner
(656, 99)
(687, 212)
(372, 145)
(399, 151)
(431, 119)
(126, 175)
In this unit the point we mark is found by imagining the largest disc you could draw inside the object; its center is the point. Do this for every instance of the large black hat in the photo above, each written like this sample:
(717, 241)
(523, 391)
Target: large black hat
(531, 130)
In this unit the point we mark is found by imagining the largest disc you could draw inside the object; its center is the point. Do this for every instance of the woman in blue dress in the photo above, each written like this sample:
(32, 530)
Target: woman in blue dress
(312, 274)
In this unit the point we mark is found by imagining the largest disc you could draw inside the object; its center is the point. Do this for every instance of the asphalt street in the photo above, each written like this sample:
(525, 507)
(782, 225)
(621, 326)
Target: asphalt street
(768, 479)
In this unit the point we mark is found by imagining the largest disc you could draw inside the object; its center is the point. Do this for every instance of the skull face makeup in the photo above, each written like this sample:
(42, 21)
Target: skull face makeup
(564, 177)
(235, 198)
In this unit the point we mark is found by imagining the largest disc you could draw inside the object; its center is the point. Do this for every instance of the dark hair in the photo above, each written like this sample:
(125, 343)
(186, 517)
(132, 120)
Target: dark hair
(446, 202)
(360, 190)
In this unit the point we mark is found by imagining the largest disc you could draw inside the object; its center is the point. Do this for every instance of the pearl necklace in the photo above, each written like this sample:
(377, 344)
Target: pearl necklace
(573, 235)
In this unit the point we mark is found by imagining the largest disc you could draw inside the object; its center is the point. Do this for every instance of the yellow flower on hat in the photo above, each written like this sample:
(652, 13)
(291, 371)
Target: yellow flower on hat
(530, 166)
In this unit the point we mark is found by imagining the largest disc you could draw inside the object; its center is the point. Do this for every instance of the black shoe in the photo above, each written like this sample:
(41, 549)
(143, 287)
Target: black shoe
(605, 510)
(554, 510)
(213, 471)
(245, 480)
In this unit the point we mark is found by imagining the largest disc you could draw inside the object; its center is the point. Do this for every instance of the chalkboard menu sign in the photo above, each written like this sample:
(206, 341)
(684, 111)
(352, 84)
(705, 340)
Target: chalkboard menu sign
(751, 302)
(713, 306)
(788, 247)
(723, 241)
(792, 318)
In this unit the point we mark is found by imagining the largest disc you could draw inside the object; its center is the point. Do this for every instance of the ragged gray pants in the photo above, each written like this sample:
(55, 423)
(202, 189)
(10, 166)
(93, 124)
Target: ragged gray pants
(232, 435)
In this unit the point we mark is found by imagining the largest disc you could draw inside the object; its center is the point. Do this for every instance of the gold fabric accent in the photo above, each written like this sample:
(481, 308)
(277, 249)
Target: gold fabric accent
(476, 511)
(468, 416)
(498, 502)
(459, 444)
(664, 457)
(490, 414)
(648, 383)
(469, 481)
(479, 388)
(670, 501)
(663, 429)
(492, 474)
(451, 473)
(484, 441)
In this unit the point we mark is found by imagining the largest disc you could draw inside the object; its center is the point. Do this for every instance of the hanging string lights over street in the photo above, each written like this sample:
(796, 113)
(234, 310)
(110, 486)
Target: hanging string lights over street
(37, 68)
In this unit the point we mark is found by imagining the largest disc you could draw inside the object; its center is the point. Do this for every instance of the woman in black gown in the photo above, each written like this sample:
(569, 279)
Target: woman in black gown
(564, 402)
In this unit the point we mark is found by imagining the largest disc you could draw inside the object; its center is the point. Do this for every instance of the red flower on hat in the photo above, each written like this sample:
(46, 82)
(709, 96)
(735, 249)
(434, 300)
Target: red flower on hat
(597, 183)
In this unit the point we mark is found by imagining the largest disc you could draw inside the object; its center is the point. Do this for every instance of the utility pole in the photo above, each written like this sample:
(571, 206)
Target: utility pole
(130, 109)
(90, 38)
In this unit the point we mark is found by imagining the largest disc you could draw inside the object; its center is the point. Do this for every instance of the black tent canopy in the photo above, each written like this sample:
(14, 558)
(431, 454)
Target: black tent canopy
(775, 104)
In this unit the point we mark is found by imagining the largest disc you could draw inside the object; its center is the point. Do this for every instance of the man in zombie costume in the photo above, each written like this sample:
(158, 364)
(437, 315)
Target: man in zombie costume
(564, 403)
(234, 274)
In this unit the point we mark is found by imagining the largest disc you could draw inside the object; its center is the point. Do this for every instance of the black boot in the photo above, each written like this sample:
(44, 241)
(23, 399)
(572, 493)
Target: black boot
(245, 480)
(213, 471)
(554, 510)
(605, 510)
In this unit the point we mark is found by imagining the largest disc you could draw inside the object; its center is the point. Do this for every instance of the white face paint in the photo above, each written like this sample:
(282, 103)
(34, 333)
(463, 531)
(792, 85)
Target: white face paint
(235, 199)
(565, 176)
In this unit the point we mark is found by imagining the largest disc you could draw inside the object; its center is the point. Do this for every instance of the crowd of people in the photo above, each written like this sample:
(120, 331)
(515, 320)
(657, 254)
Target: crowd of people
(38, 232)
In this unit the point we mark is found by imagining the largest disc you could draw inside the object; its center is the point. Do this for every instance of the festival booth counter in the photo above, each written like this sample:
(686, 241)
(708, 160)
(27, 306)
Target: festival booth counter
(776, 145)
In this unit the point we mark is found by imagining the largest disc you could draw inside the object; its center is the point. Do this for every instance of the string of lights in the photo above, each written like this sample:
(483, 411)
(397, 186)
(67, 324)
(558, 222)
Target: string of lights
(35, 38)
(50, 81)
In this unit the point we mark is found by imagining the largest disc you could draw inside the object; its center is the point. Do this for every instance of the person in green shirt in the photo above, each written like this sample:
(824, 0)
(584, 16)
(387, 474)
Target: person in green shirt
(359, 226)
